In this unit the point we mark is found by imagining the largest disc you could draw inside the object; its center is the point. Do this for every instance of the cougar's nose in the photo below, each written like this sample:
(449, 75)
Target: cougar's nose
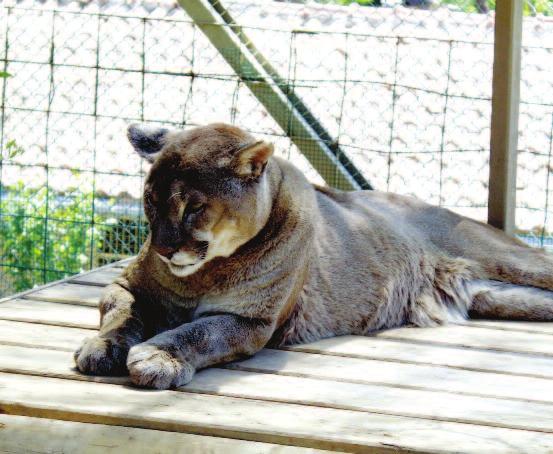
(165, 251)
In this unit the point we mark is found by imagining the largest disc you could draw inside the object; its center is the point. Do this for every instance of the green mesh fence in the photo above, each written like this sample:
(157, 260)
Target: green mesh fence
(401, 97)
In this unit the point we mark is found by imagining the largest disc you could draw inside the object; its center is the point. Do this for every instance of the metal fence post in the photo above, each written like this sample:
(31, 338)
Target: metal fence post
(275, 95)
(505, 105)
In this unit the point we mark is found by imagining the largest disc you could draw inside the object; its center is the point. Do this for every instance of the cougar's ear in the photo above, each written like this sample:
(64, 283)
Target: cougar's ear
(251, 159)
(147, 140)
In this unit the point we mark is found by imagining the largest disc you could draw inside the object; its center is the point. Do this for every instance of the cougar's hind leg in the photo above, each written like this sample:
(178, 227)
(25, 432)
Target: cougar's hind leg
(524, 266)
(501, 300)
(501, 257)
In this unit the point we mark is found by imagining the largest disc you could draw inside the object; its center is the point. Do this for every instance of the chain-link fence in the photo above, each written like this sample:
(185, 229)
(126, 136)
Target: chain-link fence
(403, 94)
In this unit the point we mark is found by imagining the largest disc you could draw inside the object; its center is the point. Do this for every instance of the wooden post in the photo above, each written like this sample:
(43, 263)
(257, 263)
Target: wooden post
(504, 125)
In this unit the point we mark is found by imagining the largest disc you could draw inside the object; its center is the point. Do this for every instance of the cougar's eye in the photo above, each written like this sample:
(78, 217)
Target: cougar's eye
(195, 207)
(192, 208)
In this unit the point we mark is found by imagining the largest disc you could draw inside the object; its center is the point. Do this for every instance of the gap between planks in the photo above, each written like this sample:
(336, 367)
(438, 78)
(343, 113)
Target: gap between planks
(314, 392)
(473, 337)
(71, 285)
(402, 338)
(511, 325)
(357, 393)
(255, 420)
(68, 293)
(360, 371)
(453, 356)
(49, 313)
(121, 264)
(470, 337)
(349, 346)
(99, 278)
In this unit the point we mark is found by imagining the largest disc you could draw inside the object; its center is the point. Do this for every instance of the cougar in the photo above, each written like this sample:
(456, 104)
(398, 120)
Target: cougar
(244, 252)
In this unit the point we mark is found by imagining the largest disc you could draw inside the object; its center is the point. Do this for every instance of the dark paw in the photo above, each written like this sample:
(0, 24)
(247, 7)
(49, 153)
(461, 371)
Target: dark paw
(152, 367)
(99, 356)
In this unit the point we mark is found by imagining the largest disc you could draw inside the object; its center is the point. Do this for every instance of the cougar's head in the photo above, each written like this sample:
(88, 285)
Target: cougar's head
(206, 193)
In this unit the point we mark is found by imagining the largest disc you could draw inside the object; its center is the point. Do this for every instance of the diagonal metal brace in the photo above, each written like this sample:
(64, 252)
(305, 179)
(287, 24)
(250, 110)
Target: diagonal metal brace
(287, 109)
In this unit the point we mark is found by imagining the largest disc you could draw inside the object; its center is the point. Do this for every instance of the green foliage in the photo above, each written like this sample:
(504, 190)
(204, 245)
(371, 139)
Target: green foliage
(359, 2)
(467, 6)
(43, 235)
(47, 235)
(12, 149)
(531, 7)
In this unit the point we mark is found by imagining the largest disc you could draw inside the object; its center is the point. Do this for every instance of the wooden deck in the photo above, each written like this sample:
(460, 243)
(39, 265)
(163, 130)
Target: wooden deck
(486, 387)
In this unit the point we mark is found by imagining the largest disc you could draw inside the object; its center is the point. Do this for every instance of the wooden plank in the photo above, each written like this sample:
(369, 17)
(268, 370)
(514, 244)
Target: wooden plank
(254, 420)
(475, 337)
(375, 399)
(47, 363)
(354, 346)
(23, 435)
(456, 357)
(310, 391)
(101, 277)
(506, 325)
(351, 346)
(86, 295)
(24, 293)
(48, 313)
(125, 262)
(400, 374)
(415, 376)
(42, 336)
(505, 107)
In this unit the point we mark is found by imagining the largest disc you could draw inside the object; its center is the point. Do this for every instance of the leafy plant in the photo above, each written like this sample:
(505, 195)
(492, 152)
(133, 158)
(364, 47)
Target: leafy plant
(533, 7)
(13, 149)
(43, 235)
(359, 2)
(530, 7)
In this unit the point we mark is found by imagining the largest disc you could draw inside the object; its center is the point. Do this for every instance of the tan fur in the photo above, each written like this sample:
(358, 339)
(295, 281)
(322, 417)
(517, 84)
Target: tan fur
(269, 258)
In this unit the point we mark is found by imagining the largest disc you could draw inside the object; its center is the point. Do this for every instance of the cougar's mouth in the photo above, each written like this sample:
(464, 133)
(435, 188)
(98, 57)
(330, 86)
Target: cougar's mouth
(184, 270)
(181, 267)
(182, 263)
(183, 259)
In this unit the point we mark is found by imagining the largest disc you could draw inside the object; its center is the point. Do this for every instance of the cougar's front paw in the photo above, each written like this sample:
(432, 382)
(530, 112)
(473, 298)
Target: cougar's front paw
(152, 367)
(99, 356)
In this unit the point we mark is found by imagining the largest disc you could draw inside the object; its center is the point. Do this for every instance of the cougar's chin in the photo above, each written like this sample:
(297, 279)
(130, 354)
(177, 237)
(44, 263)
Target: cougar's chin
(184, 270)
(182, 263)
(181, 258)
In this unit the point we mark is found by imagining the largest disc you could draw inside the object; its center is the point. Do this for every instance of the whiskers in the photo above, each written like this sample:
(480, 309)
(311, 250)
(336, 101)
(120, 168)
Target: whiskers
(174, 195)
